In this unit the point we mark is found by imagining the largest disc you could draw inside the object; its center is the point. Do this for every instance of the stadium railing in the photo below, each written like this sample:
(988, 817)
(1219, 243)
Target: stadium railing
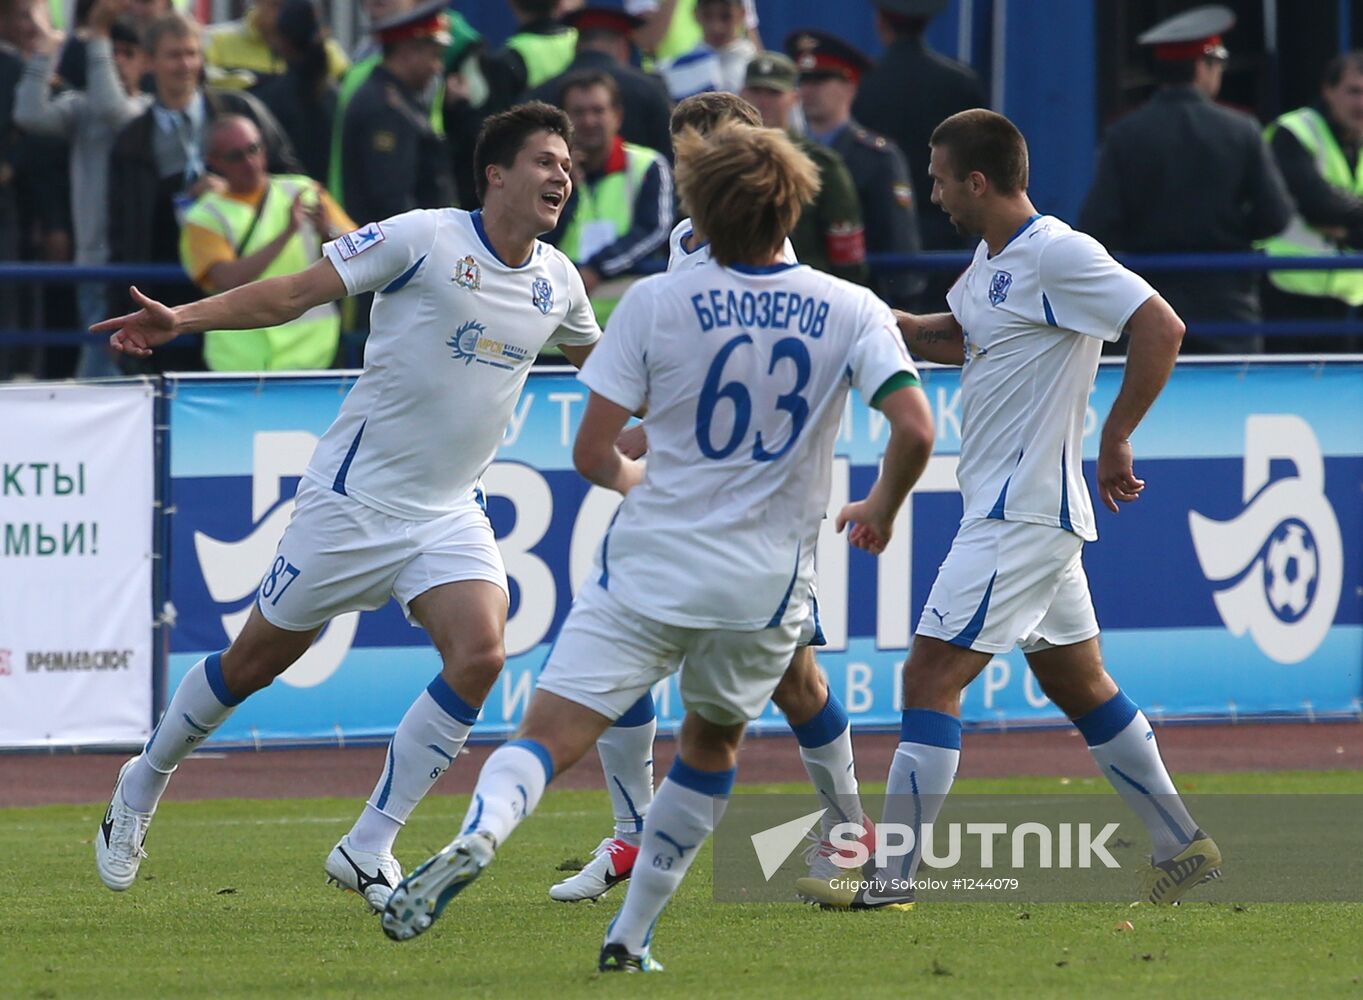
(37, 275)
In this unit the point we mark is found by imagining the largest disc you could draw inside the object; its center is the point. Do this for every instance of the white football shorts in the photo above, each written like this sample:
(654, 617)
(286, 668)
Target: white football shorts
(1010, 583)
(338, 555)
(606, 656)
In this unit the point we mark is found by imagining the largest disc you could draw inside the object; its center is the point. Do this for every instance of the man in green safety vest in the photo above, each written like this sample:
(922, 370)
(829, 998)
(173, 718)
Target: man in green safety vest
(621, 207)
(261, 226)
(1317, 150)
(541, 47)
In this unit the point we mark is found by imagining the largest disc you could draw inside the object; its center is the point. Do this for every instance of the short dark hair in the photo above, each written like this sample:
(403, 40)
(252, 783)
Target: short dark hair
(985, 141)
(583, 79)
(1340, 64)
(703, 112)
(173, 25)
(503, 136)
(1173, 72)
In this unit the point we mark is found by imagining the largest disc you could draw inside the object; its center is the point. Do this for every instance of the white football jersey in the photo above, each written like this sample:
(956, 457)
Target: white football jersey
(1035, 316)
(680, 258)
(453, 333)
(745, 371)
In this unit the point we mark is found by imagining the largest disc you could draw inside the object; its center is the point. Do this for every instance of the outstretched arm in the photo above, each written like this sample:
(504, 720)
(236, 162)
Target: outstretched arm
(249, 307)
(1156, 333)
(936, 337)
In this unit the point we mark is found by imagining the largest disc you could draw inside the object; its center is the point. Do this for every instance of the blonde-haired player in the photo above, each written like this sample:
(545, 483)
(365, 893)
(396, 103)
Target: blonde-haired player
(815, 713)
(744, 365)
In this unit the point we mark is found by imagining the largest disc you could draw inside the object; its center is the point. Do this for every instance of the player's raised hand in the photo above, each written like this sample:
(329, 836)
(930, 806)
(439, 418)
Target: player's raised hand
(1117, 480)
(871, 528)
(136, 333)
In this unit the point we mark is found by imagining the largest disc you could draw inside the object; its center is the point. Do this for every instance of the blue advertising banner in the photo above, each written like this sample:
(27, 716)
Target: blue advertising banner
(1231, 588)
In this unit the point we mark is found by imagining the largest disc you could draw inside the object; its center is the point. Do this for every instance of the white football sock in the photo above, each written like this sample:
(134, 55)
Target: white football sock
(1124, 745)
(509, 787)
(427, 741)
(200, 705)
(626, 754)
(686, 809)
(921, 774)
(826, 749)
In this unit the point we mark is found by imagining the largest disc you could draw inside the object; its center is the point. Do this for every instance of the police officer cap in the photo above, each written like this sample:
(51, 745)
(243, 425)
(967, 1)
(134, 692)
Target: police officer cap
(770, 71)
(912, 8)
(428, 22)
(603, 17)
(818, 53)
(1194, 34)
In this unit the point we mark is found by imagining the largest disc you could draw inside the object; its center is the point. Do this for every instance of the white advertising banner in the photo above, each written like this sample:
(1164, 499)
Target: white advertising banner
(77, 483)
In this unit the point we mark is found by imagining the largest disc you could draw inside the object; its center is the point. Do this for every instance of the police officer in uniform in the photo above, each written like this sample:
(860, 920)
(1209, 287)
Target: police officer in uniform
(909, 91)
(830, 71)
(603, 45)
(394, 160)
(829, 236)
(1185, 175)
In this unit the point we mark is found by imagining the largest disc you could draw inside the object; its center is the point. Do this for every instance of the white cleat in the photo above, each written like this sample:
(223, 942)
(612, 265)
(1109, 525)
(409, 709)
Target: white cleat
(422, 896)
(370, 874)
(119, 839)
(613, 863)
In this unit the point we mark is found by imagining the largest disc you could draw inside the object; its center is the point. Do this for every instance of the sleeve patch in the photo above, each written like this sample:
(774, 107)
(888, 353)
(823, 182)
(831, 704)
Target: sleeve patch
(352, 244)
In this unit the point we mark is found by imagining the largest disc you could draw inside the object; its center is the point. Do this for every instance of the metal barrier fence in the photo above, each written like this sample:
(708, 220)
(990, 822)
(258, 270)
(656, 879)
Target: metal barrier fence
(39, 275)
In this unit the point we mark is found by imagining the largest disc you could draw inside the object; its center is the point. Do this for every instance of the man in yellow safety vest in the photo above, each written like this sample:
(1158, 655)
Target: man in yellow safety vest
(261, 226)
(621, 207)
(1317, 149)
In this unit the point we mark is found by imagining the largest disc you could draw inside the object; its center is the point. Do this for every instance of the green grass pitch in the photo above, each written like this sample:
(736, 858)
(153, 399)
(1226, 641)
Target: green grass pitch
(232, 903)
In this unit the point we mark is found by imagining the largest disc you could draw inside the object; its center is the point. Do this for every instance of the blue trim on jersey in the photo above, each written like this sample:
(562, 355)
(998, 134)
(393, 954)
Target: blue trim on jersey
(1064, 493)
(480, 498)
(997, 512)
(718, 783)
(761, 268)
(1107, 720)
(400, 282)
(641, 713)
(681, 243)
(972, 630)
(604, 580)
(477, 219)
(540, 751)
(1020, 230)
(450, 702)
(819, 638)
(932, 729)
(339, 485)
(1050, 314)
(785, 599)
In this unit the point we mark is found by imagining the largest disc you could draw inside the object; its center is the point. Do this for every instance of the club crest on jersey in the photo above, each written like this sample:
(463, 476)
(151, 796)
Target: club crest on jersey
(467, 274)
(542, 295)
(998, 288)
(471, 343)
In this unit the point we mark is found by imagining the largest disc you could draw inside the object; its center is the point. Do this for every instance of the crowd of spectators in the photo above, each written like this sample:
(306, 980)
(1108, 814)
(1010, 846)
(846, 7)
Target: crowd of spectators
(235, 149)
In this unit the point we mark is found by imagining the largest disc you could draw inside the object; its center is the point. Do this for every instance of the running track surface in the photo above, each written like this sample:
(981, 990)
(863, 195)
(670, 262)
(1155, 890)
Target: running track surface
(29, 779)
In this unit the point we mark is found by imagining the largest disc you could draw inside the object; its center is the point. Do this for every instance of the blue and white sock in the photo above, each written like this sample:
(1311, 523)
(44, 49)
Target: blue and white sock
(1122, 742)
(425, 745)
(509, 787)
(199, 706)
(921, 774)
(626, 751)
(686, 809)
(826, 749)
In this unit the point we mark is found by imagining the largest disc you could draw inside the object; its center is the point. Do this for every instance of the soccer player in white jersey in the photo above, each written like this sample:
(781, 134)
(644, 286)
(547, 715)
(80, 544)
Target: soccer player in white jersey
(1028, 320)
(744, 365)
(814, 712)
(391, 503)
